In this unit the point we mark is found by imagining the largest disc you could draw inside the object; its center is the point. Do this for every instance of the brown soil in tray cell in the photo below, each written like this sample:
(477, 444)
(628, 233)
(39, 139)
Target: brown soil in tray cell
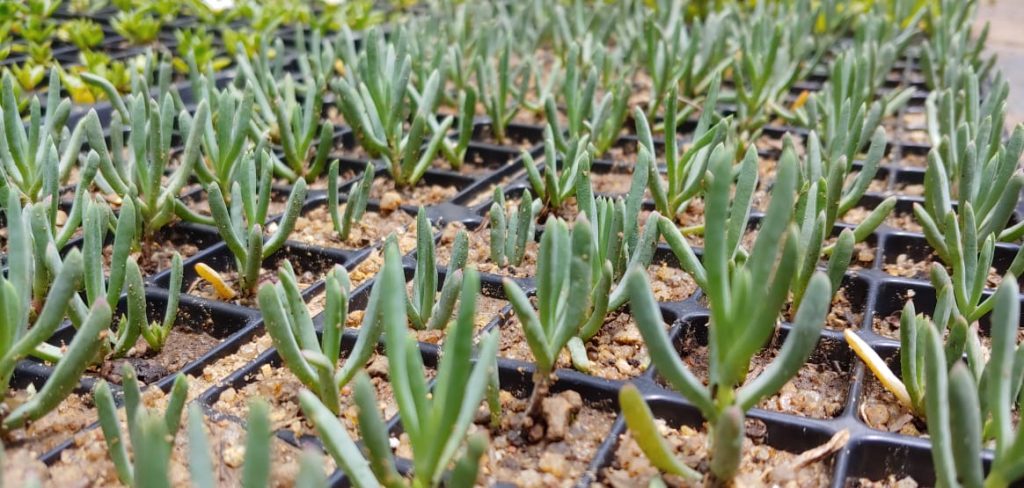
(369, 267)
(670, 284)
(762, 465)
(912, 160)
(279, 386)
(345, 173)
(818, 390)
(487, 309)
(624, 153)
(909, 190)
(876, 185)
(202, 288)
(898, 221)
(182, 347)
(223, 367)
(486, 194)
(479, 253)
(278, 203)
(919, 136)
(521, 143)
(476, 167)
(841, 315)
(890, 482)
(555, 452)
(156, 256)
(615, 183)
(317, 229)
(914, 119)
(906, 267)
(617, 351)
(390, 197)
(88, 457)
(863, 256)
(775, 144)
(36, 438)
(880, 410)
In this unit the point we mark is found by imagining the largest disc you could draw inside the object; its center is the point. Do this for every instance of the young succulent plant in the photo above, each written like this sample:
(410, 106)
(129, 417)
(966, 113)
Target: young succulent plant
(137, 26)
(586, 115)
(150, 433)
(951, 41)
(970, 406)
(226, 135)
(374, 97)
(355, 204)
(617, 246)
(31, 165)
(684, 56)
(26, 324)
(290, 325)
(964, 237)
(125, 276)
(967, 404)
(777, 44)
(745, 299)
(848, 110)
(256, 467)
(571, 296)
(562, 170)
(498, 90)
(438, 423)
(304, 140)
(961, 111)
(427, 308)
(84, 34)
(455, 150)
(137, 170)
(512, 229)
(684, 172)
(823, 200)
(240, 219)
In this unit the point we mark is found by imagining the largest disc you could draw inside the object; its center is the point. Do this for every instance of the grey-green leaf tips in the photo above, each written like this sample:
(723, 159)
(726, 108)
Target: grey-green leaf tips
(358, 194)
(290, 325)
(427, 307)
(745, 300)
(511, 230)
(436, 424)
(151, 434)
(967, 412)
(241, 215)
(26, 323)
(564, 297)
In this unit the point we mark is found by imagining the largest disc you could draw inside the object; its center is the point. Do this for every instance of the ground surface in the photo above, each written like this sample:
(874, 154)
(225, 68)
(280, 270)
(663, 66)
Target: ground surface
(1005, 41)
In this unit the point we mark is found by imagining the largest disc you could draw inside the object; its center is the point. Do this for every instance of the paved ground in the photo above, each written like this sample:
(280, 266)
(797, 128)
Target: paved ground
(1006, 41)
